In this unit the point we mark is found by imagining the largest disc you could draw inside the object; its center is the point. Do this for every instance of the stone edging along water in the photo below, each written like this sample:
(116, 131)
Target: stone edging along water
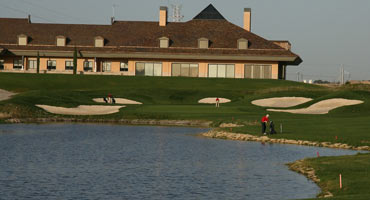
(246, 137)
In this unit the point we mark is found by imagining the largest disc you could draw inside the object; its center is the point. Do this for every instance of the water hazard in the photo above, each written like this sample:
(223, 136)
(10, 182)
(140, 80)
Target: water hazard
(87, 161)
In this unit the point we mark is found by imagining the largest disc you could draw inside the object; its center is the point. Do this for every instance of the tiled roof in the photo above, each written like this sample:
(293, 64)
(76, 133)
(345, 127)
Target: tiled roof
(141, 36)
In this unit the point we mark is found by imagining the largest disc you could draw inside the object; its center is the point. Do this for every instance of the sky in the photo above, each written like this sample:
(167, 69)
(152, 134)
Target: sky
(327, 34)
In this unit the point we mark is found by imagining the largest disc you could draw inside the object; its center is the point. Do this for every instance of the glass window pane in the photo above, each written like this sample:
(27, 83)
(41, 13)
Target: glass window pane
(123, 67)
(267, 71)
(185, 69)
(140, 69)
(149, 69)
(32, 64)
(107, 66)
(248, 71)
(256, 71)
(221, 71)
(194, 69)
(230, 71)
(212, 71)
(51, 64)
(157, 69)
(69, 65)
(176, 69)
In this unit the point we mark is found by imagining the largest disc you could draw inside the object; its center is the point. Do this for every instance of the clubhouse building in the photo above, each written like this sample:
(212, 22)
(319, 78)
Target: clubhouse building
(206, 46)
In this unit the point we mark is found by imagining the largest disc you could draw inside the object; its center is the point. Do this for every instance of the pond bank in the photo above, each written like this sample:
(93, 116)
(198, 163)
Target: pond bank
(246, 137)
(300, 167)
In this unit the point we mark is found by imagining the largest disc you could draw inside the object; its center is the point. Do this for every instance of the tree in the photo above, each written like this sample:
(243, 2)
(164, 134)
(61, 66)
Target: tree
(38, 63)
(75, 61)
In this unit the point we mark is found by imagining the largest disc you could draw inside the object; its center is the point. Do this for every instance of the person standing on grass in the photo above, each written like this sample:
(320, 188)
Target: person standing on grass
(110, 98)
(264, 121)
(217, 102)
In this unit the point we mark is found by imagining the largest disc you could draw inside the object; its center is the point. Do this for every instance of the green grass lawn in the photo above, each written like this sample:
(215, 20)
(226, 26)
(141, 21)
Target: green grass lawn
(355, 172)
(176, 98)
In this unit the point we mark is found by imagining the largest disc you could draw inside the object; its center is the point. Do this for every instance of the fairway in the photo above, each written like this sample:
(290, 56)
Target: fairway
(177, 98)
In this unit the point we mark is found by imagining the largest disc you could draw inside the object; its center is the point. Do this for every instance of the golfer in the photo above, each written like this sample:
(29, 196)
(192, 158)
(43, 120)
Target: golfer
(264, 121)
(217, 102)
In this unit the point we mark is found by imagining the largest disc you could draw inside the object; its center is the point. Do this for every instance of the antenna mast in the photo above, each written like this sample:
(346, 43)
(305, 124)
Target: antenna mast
(176, 14)
(114, 10)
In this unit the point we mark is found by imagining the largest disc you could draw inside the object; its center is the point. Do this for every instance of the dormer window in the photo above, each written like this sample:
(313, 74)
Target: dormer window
(99, 41)
(164, 42)
(242, 43)
(22, 39)
(61, 41)
(203, 43)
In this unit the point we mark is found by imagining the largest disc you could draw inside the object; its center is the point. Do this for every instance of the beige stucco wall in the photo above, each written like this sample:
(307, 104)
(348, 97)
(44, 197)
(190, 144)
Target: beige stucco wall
(203, 69)
(239, 70)
(166, 68)
(131, 68)
(275, 71)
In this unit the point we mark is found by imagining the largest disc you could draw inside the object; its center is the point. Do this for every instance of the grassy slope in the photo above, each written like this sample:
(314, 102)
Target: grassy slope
(355, 172)
(176, 98)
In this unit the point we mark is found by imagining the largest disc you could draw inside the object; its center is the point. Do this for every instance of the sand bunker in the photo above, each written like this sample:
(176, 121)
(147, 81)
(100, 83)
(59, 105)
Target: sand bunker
(82, 110)
(281, 102)
(212, 100)
(322, 107)
(118, 101)
(4, 95)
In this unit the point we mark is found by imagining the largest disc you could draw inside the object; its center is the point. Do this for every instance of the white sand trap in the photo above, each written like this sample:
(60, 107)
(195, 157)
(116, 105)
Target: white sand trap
(4, 95)
(118, 101)
(281, 102)
(212, 100)
(322, 107)
(82, 110)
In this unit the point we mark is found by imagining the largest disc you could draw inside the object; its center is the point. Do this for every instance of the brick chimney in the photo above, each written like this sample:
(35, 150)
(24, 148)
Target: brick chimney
(163, 16)
(247, 19)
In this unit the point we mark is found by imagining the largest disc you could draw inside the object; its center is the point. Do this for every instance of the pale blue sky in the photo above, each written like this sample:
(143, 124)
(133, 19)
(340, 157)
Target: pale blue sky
(325, 33)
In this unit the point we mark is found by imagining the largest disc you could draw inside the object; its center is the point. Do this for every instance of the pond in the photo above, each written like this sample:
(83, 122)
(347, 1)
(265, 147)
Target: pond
(92, 161)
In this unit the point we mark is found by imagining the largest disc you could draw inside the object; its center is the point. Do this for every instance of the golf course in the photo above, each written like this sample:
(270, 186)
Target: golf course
(177, 98)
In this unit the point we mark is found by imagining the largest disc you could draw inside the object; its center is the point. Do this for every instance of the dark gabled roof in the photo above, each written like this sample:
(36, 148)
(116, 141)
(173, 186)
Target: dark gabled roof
(133, 34)
(209, 13)
(141, 37)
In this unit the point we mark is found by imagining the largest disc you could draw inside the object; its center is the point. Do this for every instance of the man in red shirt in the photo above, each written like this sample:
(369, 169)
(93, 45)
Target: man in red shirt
(264, 121)
(217, 102)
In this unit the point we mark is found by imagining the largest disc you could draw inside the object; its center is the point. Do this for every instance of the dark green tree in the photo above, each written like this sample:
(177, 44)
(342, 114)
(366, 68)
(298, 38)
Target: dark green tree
(38, 63)
(75, 61)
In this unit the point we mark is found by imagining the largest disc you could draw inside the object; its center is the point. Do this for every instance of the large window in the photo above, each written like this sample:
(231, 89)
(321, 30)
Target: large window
(258, 71)
(123, 67)
(17, 64)
(221, 71)
(1, 64)
(88, 66)
(107, 66)
(32, 64)
(69, 65)
(185, 69)
(52, 65)
(148, 69)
